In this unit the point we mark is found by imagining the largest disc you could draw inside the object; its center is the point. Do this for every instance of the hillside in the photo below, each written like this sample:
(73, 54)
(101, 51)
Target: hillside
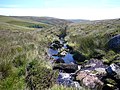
(24, 63)
(93, 36)
(46, 20)
(12, 23)
(78, 20)
(23, 48)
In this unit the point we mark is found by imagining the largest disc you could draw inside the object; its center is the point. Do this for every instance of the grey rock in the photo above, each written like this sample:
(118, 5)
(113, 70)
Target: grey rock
(68, 68)
(91, 74)
(115, 68)
(92, 64)
(66, 79)
(114, 43)
(89, 80)
(92, 82)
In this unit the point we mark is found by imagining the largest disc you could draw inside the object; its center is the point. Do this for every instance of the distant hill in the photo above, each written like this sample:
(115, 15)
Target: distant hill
(24, 41)
(13, 23)
(78, 20)
(46, 20)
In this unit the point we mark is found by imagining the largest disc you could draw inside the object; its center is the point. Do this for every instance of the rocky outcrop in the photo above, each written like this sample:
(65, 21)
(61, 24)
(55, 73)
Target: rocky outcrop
(92, 82)
(114, 43)
(91, 73)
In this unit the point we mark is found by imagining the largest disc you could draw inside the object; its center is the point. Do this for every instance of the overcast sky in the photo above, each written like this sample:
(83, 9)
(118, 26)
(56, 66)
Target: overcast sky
(64, 9)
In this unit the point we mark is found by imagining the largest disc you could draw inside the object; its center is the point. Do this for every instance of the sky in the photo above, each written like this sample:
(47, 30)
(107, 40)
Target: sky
(64, 9)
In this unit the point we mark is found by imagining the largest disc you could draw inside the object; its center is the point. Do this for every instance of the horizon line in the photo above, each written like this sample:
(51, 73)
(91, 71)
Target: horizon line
(58, 17)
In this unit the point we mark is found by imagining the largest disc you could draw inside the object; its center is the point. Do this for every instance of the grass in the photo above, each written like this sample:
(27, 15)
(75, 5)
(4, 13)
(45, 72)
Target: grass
(11, 23)
(60, 87)
(17, 51)
(16, 28)
(28, 24)
(23, 60)
(90, 38)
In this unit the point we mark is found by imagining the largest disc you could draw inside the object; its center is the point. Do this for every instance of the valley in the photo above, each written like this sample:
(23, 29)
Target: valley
(24, 42)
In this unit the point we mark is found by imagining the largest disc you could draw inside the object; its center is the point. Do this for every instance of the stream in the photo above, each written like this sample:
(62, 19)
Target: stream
(92, 74)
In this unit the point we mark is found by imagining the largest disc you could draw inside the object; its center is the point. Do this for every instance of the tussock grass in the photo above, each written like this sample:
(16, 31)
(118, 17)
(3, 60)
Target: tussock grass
(91, 38)
(17, 51)
(23, 60)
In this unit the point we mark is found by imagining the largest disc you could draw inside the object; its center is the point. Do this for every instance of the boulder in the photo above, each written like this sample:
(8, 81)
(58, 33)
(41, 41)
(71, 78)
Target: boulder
(114, 43)
(115, 68)
(91, 74)
(89, 80)
(80, 75)
(68, 68)
(92, 82)
(66, 80)
(92, 64)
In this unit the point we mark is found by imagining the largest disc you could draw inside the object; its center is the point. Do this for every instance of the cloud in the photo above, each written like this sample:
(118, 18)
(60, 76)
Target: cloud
(65, 13)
